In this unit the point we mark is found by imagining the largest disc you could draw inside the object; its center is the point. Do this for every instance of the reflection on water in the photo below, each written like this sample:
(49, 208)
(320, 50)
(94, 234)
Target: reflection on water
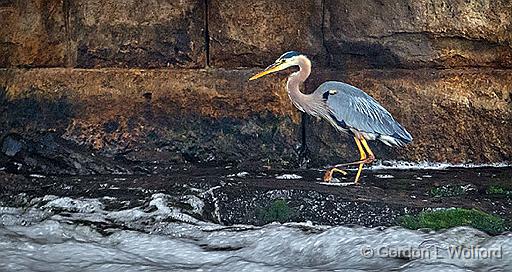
(65, 234)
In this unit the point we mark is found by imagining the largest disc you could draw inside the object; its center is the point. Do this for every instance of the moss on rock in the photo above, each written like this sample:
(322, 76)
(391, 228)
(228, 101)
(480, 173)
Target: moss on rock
(448, 218)
(277, 211)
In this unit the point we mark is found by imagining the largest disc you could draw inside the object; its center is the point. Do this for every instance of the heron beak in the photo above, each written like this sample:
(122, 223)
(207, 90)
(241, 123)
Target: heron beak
(271, 69)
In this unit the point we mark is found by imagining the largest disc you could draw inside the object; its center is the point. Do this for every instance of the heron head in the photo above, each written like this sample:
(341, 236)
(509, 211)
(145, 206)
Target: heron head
(286, 60)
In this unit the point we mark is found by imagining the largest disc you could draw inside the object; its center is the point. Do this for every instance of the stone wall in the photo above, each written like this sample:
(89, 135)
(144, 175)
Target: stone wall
(167, 80)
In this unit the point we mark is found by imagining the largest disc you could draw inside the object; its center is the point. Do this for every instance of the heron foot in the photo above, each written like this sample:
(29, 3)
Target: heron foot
(329, 172)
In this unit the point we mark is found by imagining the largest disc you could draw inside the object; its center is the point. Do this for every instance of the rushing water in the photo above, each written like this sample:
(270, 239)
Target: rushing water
(65, 234)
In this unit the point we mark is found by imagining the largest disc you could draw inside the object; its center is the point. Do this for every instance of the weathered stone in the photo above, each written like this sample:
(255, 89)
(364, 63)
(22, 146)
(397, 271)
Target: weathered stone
(217, 116)
(156, 115)
(11, 146)
(448, 33)
(33, 33)
(48, 154)
(454, 115)
(229, 199)
(255, 33)
(148, 34)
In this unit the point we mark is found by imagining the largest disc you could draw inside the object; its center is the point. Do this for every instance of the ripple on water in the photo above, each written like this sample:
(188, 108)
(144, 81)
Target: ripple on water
(62, 234)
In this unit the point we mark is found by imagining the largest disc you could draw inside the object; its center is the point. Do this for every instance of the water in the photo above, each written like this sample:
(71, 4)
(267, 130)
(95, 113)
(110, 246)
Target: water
(53, 233)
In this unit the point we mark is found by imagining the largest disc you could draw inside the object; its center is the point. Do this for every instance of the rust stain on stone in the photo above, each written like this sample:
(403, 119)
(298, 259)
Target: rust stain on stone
(456, 116)
(116, 109)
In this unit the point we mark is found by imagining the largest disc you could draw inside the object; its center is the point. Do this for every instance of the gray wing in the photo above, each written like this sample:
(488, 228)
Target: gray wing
(355, 109)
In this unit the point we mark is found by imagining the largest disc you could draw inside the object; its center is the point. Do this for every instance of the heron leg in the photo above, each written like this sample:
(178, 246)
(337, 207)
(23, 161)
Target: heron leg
(329, 172)
(368, 159)
(365, 159)
(371, 157)
(362, 158)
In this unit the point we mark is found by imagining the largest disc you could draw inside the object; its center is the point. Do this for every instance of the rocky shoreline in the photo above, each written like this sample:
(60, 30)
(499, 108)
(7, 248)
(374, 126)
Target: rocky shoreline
(231, 196)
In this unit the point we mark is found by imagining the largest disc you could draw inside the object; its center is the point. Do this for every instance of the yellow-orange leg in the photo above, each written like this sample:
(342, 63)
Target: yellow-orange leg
(371, 157)
(364, 160)
(329, 172)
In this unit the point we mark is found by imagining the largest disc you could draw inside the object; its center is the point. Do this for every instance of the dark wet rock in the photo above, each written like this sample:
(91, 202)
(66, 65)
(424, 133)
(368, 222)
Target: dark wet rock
(255, 33)
(257, 197)
(32, 111)
(305, 205)
(48, 154)
(138, 34)
(158, 116)
(11, 145)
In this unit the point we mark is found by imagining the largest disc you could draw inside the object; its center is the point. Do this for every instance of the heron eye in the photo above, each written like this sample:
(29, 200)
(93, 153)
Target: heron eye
(333, 92)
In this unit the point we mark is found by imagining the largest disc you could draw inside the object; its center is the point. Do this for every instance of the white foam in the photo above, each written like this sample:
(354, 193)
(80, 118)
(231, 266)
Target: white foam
(343, 184)
(240, 175)
(289, 176)
(75, 205)
(384, 176)
(403, 165)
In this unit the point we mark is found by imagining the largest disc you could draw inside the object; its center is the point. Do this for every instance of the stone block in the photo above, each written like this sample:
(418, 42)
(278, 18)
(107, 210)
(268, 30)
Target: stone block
(140, 34)
(33, 33)
(412, 34)
(255, 33)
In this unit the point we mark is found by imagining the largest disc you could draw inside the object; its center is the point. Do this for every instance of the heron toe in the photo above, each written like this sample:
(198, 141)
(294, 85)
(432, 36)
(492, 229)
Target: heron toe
(328, 174)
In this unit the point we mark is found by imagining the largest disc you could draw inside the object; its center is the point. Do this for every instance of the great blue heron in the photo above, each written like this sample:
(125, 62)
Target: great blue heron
(347, 108)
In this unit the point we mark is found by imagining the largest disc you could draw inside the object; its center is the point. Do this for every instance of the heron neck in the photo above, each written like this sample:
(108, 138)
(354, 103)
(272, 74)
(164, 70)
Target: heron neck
(299, 77)
(299, 99)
